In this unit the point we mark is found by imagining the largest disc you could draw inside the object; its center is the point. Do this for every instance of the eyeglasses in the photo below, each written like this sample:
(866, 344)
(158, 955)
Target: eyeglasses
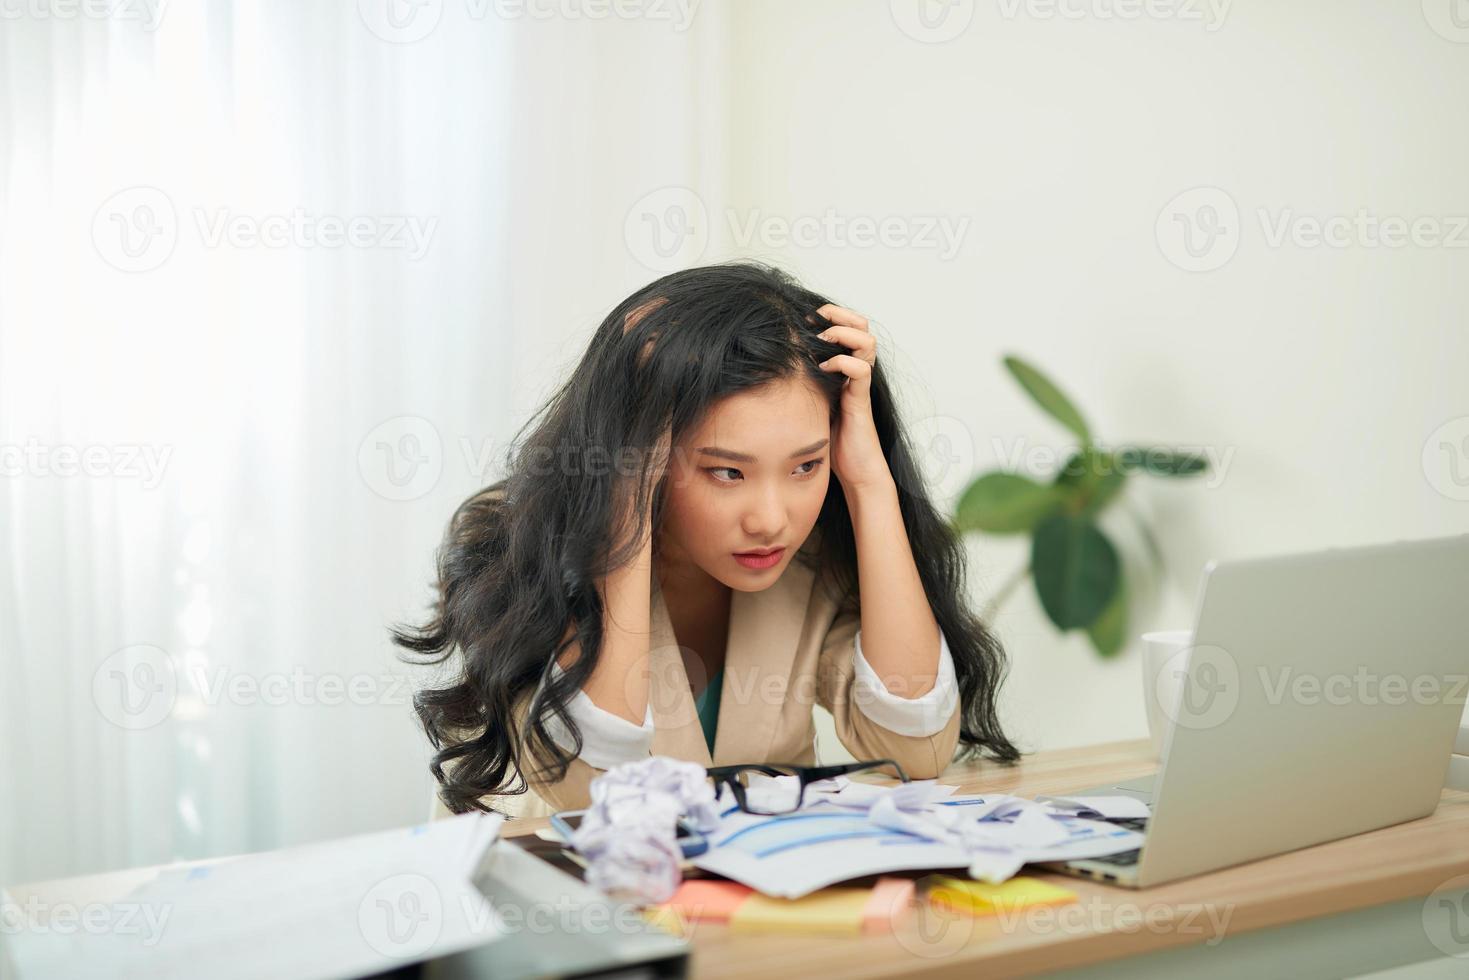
(737, 778)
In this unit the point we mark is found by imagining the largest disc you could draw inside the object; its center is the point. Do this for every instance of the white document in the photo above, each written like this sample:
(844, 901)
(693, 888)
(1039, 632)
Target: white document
(1113, 807)
(824, 843)
(342, 908)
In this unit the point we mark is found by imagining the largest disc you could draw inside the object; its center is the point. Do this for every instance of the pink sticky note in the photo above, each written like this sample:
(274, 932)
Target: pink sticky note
(708, 899)
(890, 900)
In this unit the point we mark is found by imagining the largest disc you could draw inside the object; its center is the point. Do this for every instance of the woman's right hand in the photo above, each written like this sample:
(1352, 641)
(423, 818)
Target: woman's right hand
(656, 467)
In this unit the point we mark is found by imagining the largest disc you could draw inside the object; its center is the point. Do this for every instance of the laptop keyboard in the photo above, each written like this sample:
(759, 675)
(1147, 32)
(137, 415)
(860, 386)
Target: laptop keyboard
(1125, 859)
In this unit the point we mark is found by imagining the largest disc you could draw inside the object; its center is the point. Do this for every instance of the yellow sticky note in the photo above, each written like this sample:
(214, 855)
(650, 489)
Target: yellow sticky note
(982, 898)
(835, 910)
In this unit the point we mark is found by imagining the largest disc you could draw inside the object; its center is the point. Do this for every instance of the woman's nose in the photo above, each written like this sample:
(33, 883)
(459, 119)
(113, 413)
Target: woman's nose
(766, 518)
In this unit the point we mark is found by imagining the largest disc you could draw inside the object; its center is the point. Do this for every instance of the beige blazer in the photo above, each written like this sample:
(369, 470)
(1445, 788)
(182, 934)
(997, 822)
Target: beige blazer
(790, 647)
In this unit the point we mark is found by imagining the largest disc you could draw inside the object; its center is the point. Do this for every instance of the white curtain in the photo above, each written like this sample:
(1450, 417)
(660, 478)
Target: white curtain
(278, 281)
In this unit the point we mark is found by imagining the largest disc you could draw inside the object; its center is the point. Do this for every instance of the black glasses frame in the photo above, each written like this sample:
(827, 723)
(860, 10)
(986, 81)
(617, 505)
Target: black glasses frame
(729, 776)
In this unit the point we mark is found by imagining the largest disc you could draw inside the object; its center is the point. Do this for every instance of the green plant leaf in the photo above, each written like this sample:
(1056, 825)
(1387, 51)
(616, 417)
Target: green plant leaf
(1090, 479)
(1160, 461)
(1076, 569)
(1048, 397)
(1108, 632)
(1005, 503)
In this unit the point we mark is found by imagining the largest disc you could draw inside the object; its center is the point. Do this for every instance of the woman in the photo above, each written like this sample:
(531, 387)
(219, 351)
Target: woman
(669, 567)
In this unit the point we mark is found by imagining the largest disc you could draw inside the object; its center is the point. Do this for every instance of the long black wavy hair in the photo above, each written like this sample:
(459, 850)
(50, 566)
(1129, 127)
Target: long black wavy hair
(521, 559)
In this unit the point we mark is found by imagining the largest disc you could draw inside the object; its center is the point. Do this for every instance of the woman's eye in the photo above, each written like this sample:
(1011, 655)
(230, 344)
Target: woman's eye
(724, 469)
(813, 463)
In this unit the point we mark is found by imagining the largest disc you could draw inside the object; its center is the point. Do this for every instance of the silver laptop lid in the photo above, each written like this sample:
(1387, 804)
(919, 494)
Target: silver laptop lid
(1322, 697)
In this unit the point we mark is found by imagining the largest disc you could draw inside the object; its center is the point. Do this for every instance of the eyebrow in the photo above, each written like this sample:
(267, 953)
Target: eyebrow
(745, 458)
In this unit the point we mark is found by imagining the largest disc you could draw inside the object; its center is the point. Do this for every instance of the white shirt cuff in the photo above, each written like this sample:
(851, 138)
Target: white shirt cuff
(607, 739)
(918, 717)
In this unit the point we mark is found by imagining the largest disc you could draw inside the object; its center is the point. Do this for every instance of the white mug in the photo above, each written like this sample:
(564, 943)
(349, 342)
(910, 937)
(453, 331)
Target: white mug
(1162, 680)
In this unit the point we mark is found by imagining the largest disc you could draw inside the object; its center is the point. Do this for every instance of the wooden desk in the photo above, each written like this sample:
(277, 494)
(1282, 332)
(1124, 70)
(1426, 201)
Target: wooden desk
(1371, 888)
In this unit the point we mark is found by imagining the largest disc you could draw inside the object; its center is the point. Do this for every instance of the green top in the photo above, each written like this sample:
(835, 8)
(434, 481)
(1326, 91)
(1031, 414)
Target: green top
(708, 704)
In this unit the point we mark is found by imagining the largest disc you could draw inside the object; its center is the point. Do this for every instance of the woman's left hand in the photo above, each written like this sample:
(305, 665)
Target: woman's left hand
(856, 455)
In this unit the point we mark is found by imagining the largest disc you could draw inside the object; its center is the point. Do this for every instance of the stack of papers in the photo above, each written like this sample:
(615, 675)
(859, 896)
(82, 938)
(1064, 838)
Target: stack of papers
(856, 829)
(343, 908)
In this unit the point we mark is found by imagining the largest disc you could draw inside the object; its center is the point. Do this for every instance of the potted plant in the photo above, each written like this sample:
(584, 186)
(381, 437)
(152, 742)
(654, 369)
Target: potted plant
(1077, 570)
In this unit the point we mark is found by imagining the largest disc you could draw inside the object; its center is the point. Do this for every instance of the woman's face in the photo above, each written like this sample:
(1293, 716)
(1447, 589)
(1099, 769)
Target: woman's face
(751, 477)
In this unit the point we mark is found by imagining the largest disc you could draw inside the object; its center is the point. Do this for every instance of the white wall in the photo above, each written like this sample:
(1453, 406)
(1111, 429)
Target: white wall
(1317, 372)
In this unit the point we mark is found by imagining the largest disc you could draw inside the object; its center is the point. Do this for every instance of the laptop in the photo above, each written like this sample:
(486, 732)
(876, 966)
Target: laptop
(1321, 699)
